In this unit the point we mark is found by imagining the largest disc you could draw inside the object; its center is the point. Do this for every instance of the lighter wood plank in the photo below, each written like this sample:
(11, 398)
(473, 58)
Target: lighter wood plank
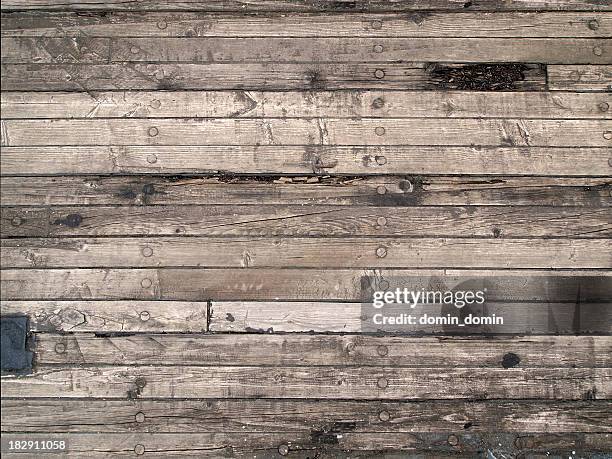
(111, 316)
(419, 24)
(74, 77)
(44, 50)
(335, 104)
(301, 5)
(306, 253)
(274, 131)
(264, 284)
(314, 382)
(325, 350)
(580, 77)
(350, 191)
(291, 221)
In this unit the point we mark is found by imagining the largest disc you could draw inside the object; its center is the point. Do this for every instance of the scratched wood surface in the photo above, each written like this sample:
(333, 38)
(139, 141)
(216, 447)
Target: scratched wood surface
(197, 197)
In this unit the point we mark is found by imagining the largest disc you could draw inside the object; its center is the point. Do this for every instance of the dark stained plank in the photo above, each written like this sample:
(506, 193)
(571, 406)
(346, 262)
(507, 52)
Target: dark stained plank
(325, 350)
(304, 104)
(355, 383)
(302, 221)
(319, 131)
(247, 252)
(64, 415)
(463, 23)
(580, 77)
(306, 160)
(125, 76)
(43, 50)
(111, 316)
(343, 6)
(264, 284)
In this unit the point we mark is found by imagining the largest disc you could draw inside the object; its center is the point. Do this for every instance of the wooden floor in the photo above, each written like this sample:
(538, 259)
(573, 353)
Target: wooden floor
(194, 191)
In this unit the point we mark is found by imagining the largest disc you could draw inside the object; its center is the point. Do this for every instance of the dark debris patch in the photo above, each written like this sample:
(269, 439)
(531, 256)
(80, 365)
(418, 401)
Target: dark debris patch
(478, 77)
(15, 355)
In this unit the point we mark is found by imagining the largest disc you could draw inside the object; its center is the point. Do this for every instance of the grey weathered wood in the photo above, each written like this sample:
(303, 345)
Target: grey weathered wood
(264, 284)
(419, 24)
(314, 382)
(111, 316)
(304, 415)
(580, 77)
(334, 104)
(21, 50)
(349, 191)
(311, 159)
(325, 350)
(319, 131)
(125, 76)
(305, 5)
(290, 221)
(246, 252)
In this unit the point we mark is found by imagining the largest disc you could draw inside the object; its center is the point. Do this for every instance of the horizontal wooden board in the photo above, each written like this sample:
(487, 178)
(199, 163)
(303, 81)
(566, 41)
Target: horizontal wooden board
(111, 316)
(325, 350)
(518, 318)
(304, 5)
(312, 159)
(306, 253)
(418, 24)
(580, 77)
(84, 50)
(334, 444)
(291, 221)
(275, 131)
(356, 383)
(401, 75)
(334, 104)
(258, 284)
(346, 191)
(65, 415)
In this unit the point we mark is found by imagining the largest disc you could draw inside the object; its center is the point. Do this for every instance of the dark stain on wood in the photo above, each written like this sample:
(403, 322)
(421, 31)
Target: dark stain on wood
(510, 360)
(71, 221)
(477, 77)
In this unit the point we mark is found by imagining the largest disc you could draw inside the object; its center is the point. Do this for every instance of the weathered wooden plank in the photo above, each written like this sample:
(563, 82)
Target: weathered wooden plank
(311, 159)
(325, 350)
(401, 75)
(289, 221)
(306, 253)
(264, 284)
(334, 104)
(355, 383)
(338, 442)
(419, 24)
(23, 50)
(62, 415)
(306, 5)
(319, 131)
(580, 77)
(111, 316)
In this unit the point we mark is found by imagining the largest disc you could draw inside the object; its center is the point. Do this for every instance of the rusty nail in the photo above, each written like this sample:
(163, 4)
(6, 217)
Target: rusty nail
(60, 348)
(382, 350)
(146, 283)
(147, 252)
(381, 252)
(384, 416)
(139, 449)
(283, 450)
(379, 73)
(382, 382)
(144, 316)
(381, 189)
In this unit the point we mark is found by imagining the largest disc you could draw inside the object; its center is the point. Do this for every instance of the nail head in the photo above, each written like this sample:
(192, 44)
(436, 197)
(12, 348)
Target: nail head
(453, 440)
(60, 348)
(140, 382)
(379, 73)
(134, 50)
(597, 50)
(593, 24)
(382, 382)
(607, 135)
(147, 252)
(139, 449)
(382, 350)
(381, 189)
(16, 221)
(384, 416)
(146, 283)
(381, 160)
(379, 131)
(151, 159)
(162, 25)
(382, 221)
(381, 252)
(153, 131)
(283, 450)
(378, 48)
(144, 316)
(376, 25)
(140, 417)
(379, 102)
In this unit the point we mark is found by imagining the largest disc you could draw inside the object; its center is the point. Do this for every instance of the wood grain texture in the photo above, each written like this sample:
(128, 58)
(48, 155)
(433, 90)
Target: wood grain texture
(111, 316)
(305, 160)
(275, 131)
(418, 24)
(383, 191)
(306, 253)
(302, 221)
(330, 104)
(306, 5)
(263, 284)
(236, 415)
(271, 76)
(355, 383)
(21, 50)
(324, 350)
(580, 77)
